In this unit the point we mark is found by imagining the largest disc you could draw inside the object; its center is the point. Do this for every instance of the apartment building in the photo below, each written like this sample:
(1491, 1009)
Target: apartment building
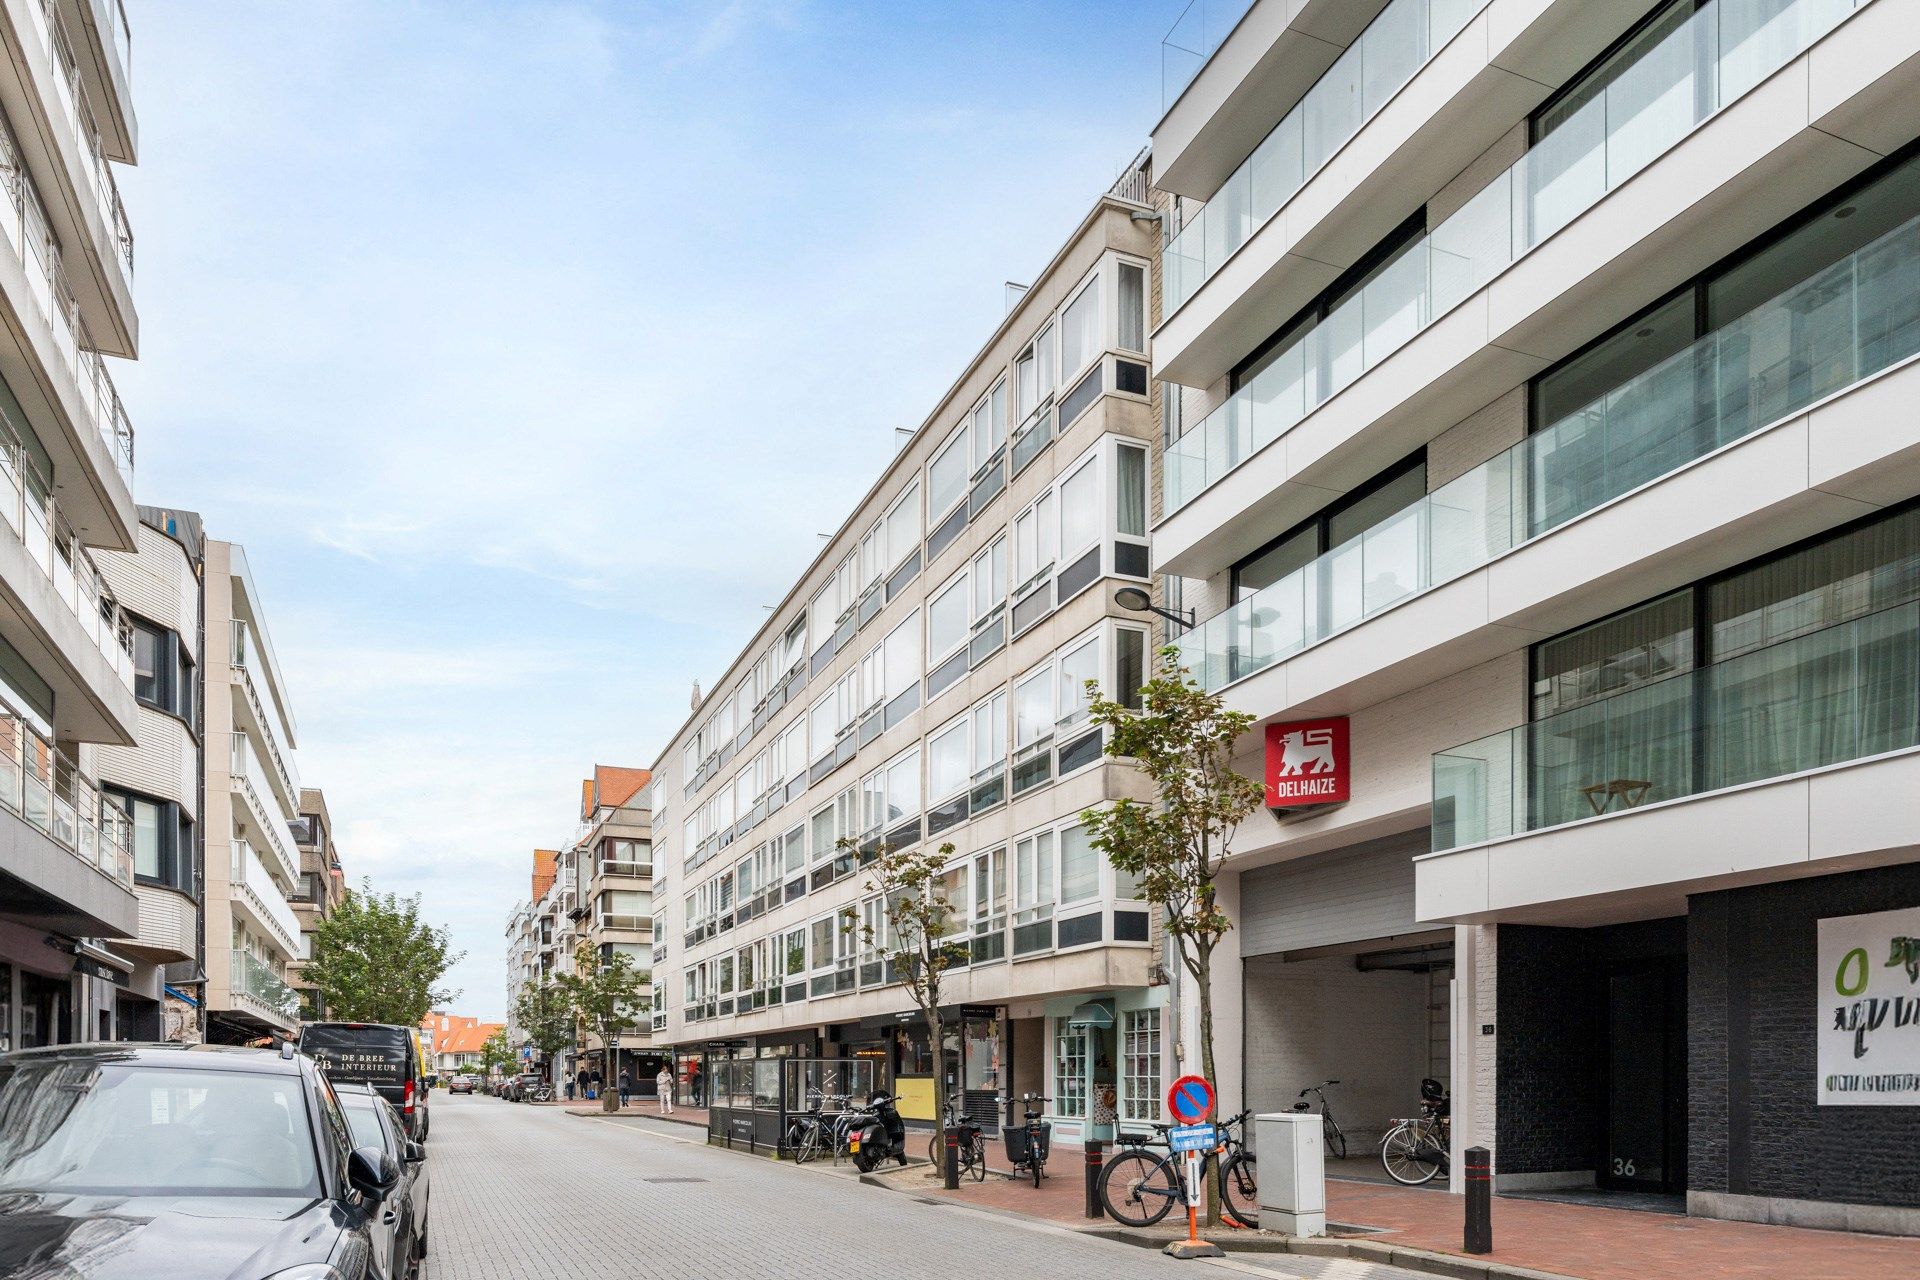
(611, 858)
(322, 887)
(157, 781)
(1544, 483)
(923, 682)
(67, 875)
(252, 803)
(534, 951)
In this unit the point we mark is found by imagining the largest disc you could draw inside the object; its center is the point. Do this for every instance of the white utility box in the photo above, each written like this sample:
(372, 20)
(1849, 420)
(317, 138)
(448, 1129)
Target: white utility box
(1293, 1173)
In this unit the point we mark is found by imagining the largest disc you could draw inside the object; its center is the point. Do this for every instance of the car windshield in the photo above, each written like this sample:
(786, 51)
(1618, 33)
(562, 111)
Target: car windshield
(363, 1117)
(87, 1127)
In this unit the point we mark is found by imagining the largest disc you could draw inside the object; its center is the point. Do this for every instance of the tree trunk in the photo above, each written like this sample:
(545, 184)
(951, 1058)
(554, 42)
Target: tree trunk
(1203, 958)
(936, 1029)
(609, 1075)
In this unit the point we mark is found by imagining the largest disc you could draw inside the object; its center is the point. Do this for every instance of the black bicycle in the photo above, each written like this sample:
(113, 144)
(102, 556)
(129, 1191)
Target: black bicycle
(809, 1132)
(1139, 1187)
(1329, 1128)
(1029, 1143)
(972, 1149)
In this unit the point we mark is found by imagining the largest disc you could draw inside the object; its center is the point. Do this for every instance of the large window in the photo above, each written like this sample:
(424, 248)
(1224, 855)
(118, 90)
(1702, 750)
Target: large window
(163, 675)
(1080, 330)
(162, 839)
(947, 761)
(947, 476)
(1140, 1065)
(947, 619)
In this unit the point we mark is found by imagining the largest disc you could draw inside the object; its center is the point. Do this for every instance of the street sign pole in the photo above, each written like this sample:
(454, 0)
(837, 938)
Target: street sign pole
(1190, 1101)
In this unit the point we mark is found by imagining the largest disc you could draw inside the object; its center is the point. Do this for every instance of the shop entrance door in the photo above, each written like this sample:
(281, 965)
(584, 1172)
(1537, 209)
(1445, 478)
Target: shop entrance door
(1646, 1078)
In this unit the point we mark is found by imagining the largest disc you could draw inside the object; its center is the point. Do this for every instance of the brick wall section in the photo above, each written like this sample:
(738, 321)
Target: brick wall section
(1758, 1131)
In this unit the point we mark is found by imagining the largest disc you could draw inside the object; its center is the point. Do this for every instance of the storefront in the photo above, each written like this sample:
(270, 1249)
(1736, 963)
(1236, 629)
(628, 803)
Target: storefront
(1096, 1056)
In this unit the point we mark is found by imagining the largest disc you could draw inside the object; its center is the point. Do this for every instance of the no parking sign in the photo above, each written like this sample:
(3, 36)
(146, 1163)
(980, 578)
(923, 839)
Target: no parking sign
(1190, 1099)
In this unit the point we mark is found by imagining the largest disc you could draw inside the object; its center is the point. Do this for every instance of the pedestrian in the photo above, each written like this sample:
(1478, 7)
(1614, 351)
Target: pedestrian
(626, 1085)
(694, 1083)
(570, 1089)
(663, 1085)
(594, 1084)
(582, 1080)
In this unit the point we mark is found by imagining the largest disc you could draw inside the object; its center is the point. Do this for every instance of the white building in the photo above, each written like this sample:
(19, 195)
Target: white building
(1544, 372)
(66, 463)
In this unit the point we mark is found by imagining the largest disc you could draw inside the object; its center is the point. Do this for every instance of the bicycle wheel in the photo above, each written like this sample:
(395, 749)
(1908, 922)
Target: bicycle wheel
(1239, 1190)
(1336, 1140)
(975, 1152)
(1138, 1189)
(809, 1144)
(1408, 1156)
(936, 1152)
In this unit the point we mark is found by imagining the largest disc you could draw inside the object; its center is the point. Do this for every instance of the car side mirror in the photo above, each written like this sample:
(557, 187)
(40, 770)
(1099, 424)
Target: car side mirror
(372, 1172)
(415, 1152)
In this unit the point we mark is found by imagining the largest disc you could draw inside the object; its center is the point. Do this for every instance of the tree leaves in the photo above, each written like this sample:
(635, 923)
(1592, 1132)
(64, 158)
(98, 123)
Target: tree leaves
(375, 960)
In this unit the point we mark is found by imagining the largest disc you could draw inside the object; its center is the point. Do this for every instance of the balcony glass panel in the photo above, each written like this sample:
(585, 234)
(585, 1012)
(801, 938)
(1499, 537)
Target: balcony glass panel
(1839, 694)
(1651, 105)
(1841, 325)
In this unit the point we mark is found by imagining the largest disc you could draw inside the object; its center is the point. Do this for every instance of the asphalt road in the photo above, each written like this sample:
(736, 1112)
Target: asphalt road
(532, 1192)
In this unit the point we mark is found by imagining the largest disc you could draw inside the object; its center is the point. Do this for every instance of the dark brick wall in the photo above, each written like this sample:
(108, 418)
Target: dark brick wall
(1754, 1127)
(1550, 1110)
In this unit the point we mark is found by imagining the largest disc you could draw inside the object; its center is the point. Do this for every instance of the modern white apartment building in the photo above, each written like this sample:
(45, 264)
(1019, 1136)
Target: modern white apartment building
(1544, 371)
(611, 858)
(252, 805)
(157, 781)
(923, 682)
(66, 455)
(322, 887)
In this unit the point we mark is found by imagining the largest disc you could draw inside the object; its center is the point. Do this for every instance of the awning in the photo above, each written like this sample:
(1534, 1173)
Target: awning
(178, 994)
(1097, 1014)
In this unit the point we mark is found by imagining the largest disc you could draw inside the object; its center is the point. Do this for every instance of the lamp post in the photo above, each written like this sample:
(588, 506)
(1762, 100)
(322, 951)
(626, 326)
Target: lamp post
(1136, 600)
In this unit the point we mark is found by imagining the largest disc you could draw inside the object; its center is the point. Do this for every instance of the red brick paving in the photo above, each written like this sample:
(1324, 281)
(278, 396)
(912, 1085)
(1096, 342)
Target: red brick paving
(1575, 1240)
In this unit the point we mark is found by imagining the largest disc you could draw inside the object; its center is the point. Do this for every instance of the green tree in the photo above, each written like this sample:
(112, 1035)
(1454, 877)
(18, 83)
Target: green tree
(922, 938)
(545, 1018)
(606, 996)
(496, 1054)
(375, 960)
(1182, 738)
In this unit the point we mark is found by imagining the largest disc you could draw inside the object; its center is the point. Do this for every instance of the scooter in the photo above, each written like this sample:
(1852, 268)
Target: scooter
(877, 1132)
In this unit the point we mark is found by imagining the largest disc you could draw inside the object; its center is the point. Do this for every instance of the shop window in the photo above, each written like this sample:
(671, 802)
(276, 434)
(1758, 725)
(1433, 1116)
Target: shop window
(1140, 1065)
(1069, 1071)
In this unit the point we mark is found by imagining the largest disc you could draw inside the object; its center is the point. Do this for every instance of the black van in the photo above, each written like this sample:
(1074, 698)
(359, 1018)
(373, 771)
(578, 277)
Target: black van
(373, 1053)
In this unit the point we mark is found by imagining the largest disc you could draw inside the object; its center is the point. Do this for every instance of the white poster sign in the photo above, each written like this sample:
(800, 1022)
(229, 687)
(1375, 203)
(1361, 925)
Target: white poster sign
(1869, 1010)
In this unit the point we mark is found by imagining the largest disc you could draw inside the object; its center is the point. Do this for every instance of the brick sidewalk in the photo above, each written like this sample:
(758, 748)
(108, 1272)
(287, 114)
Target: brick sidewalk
(1574, 1240)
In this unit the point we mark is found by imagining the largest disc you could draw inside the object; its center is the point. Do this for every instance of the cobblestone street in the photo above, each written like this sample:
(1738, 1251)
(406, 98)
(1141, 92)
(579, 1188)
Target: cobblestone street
(532, 1192)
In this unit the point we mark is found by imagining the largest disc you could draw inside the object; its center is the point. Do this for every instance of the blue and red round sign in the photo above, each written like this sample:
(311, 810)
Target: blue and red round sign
(1190, 1099)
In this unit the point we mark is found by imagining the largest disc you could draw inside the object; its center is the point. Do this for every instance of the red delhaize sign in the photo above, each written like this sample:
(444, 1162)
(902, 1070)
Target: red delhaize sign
(1308, 763)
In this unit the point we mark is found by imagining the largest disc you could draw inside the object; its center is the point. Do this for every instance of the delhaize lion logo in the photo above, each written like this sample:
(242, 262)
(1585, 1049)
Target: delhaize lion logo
(1305, 751)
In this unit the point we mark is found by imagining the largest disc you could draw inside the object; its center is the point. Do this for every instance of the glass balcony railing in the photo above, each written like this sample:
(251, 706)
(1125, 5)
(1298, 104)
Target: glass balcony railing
(1202, 25)
(75, 117)
(41, 784)
(250, 876)
(1722, 51)
(252, 977)
(1843, 324)
(1843, 693)
(1395, 45)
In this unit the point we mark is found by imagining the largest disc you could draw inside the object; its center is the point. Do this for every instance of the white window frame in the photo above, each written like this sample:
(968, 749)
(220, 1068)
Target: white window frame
(960, 582)
(961, 727)
(958, 440)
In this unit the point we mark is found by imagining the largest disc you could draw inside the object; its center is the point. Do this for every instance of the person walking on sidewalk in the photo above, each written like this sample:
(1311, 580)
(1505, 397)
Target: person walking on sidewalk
(581, 1079)
(663, 1084)
(626, 1085)
(594, 1084)
(693, 1084)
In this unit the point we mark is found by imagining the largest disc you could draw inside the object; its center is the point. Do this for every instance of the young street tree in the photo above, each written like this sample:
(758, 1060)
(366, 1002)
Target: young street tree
(921, 939)
(496, 1054)
(545, 1017)
(607, 996)
(375, 960)
(1182, 739)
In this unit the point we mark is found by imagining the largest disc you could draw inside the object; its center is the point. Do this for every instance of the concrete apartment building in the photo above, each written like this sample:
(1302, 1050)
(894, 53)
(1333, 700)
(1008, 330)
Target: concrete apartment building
(1543, 373)
(252, 803)
(322, 886)
(923, 681)
(66, 464)
(534, 953)
(158, 780)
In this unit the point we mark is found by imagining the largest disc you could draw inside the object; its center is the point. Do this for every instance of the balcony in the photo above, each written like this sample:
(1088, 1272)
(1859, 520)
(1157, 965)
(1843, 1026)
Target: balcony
(1647, 110)
(103, 48)
(254, 985)
(1847, 323)
(625, 920)
(263, 899)
(249, 782)
(631, 870)
(250, 712)
(41, 784)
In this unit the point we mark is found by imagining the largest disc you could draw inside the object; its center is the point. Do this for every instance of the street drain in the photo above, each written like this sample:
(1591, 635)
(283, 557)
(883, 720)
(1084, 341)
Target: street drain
(662, 1182)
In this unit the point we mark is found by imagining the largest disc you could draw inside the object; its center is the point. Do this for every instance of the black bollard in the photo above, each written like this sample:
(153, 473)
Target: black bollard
(1479, 1201)
(950, 1162)
(1096, 1160)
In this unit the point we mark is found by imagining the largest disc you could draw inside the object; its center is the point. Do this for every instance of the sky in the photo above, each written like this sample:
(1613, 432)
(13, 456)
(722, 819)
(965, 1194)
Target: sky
(529, 348)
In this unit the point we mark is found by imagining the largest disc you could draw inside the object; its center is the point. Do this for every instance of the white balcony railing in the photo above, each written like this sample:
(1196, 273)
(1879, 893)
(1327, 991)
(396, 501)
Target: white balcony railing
(241, 662)
(41, 784)
(75, 118)
(250, 780)
(252, 879)
(251, 978)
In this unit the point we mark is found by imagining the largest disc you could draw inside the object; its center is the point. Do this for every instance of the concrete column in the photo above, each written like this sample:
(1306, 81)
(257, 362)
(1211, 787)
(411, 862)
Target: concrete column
(1475, 1079)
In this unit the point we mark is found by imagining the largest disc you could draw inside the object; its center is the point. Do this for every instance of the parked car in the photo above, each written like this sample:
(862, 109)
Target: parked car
(164, 1162)
(400, 1229)
(522, 1087)
(460, 1084)
(386, 1057)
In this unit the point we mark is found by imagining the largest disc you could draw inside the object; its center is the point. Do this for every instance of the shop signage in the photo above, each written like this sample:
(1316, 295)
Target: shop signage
(1869, 1009)
(1308, 763)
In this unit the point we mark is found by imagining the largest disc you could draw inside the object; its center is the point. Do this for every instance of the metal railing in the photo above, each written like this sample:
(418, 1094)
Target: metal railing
(1651, 105)
(239, 650)
(250, 779)
(42, 785)
(77, 118)
(1841, 325)
(251, 878)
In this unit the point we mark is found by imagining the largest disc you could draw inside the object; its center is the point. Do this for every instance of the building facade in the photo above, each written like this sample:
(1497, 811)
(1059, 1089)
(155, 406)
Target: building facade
(252, 805)
(1539, 373)
(612, 859)
(158, 781)
(322, 887)
(924, 682)
(68, 902)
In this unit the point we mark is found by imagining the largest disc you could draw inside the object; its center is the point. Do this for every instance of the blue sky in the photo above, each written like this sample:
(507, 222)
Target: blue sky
(528, 347)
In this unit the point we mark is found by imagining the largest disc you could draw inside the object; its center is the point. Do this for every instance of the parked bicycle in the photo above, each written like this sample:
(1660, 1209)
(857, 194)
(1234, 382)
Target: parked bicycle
(1028, 1143)
(1417, 1150)
(810, 1131)
(1139, 1187)
(971, 1153)
(1329, 1127)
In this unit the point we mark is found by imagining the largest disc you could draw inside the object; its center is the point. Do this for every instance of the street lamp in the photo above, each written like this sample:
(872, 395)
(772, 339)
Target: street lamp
(1136, 600)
